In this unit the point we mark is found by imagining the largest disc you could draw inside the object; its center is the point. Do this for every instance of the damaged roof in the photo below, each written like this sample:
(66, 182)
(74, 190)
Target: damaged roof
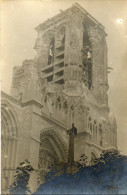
(63, 14)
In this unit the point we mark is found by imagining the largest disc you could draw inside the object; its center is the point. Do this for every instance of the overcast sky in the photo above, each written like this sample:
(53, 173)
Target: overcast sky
(19, 18)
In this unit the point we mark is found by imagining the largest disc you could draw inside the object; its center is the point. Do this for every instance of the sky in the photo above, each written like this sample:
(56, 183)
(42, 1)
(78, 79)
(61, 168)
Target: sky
(18, 35)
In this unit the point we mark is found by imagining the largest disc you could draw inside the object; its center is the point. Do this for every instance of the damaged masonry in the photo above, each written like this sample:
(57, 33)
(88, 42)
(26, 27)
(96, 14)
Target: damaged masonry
(66, 83)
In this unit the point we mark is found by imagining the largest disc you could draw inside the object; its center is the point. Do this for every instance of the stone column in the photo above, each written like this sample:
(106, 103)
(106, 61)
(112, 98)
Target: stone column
(71, 146)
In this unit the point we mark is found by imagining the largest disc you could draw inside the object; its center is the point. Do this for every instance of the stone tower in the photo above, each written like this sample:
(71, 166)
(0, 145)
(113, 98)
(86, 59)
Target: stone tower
(72, 64)
(65, 83)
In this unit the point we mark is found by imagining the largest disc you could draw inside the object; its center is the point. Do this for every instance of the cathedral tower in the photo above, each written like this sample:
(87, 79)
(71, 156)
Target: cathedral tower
(65, 83)
(69, 78)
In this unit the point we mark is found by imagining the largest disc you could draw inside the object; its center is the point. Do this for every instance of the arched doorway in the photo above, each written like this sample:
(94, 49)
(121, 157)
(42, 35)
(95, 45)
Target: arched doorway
(9, 145)
(52, 150)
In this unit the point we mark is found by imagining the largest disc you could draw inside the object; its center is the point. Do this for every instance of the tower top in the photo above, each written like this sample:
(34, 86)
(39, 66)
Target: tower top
(63, 14)
(72, 52)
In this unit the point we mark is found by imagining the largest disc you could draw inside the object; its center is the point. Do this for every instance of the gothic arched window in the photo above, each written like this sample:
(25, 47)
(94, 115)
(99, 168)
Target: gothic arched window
(87, 59)
(47, 50)
(51, 51)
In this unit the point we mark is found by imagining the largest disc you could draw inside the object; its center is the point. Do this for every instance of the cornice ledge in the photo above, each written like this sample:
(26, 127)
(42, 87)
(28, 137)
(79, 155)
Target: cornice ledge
(97, 146)
(112, 148)
(82, 133)
(60, 16)
(31, 102)
(50, 22)
(4, 95)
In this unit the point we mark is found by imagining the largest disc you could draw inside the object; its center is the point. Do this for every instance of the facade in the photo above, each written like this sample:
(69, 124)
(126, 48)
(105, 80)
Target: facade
(65, 83)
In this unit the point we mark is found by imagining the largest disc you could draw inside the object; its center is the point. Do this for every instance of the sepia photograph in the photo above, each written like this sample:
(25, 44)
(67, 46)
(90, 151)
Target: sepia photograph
(63, 84)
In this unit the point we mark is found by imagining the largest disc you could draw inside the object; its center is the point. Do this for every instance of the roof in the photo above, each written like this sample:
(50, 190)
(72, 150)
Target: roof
(63, 15)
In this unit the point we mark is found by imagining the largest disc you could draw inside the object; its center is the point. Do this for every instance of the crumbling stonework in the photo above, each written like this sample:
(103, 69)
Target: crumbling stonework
(65, 83)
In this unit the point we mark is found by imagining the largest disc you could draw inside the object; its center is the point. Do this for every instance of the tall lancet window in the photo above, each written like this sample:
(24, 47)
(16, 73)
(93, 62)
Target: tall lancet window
(51, 52)
(87, 60)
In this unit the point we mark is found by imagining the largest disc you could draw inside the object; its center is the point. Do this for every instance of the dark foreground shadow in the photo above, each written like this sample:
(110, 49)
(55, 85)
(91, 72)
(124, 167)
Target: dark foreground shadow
(108, 175)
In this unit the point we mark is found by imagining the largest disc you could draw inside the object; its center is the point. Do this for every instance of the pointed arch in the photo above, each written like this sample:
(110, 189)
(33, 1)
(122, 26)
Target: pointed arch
(52, 150)
(10, 133)
(56, 142)
(63, 25)
(49, 35)
(10, 114)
